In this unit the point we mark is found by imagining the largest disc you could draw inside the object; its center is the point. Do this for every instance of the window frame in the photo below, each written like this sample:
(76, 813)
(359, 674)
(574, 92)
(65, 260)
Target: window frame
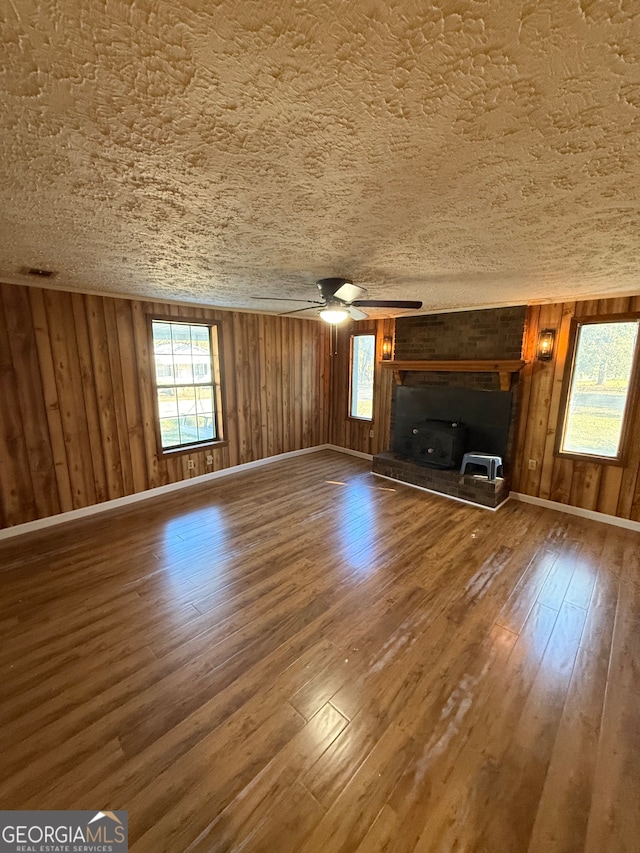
(217, 382)
(353, 336)
(634, 382)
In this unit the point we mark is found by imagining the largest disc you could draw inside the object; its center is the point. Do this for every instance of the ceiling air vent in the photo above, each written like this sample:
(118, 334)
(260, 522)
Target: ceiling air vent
(38, 272)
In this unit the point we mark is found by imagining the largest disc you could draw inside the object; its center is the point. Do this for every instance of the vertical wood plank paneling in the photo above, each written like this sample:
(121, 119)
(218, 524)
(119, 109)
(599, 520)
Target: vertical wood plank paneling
(539, 407)
(383, 389)
(563, 338)
(16, 487)
(274, 384)
(620, 305)
(585, 485)
(253, 345)
(71, 397)
(561, 480)
(230, 410)
(143, 358)
(286, 382)
(115, 365)
(81, 424)
(304, 383)
(635, 505)
(340, 388)
(629, 480)
(264, 365)
(50, 395)
(590, 485)
(609, 492)
(592, 307)
(324, 380)
(525, 385)
(309, 380)
(296, 370)
(243, 393)
(629, 499)
(276, 347)
(104, 394)
(24, 354)
(131, 394)
(78, 424)
(78, 303)
(324, 387)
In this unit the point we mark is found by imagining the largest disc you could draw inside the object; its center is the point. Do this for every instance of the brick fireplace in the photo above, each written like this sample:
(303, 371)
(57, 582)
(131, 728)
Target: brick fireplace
(491, 338)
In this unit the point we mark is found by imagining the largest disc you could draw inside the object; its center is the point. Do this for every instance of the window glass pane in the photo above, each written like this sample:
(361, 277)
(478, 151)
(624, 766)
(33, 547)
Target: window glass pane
(182, 358)
(362, 376)
(161, 337)
(183, 364)
(162, 349)
(200, 339)
(164, 369)
(169, 431)
(205, 427)
(167, 402)
(599, 388)
(186, 400)
(205, 398)
(181, 337)
(201, 369)
(188, 429)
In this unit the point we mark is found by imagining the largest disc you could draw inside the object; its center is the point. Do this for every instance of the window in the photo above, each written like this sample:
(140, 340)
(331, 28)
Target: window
(188, 387)
(599, 387)
(363, 350)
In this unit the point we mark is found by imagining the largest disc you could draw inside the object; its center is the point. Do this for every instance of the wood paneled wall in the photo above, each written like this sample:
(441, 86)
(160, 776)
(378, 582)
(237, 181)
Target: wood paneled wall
(350, 432)
(77, 409)
(610, 489)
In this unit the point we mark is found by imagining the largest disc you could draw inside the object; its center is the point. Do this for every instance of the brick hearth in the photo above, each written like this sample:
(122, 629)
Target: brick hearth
(476, 489)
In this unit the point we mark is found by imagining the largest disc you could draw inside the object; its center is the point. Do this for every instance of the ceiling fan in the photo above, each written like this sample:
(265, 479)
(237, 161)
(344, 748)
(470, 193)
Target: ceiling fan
(340, 300)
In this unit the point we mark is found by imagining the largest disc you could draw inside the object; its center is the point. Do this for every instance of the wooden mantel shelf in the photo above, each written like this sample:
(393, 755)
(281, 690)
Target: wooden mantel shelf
(504, 368)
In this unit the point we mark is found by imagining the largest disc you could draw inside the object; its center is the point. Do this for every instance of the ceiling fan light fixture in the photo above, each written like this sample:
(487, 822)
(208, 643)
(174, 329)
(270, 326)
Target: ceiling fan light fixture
(333, 315)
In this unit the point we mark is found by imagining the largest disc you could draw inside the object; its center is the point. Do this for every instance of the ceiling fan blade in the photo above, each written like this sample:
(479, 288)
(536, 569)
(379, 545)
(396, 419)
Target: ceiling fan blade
(386, 303)
(348, 292)
(285, 299)
(356, 313)
(297, 310)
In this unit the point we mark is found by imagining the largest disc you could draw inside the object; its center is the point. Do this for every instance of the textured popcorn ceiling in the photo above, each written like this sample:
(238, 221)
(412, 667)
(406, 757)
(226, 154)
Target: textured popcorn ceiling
(462, 153)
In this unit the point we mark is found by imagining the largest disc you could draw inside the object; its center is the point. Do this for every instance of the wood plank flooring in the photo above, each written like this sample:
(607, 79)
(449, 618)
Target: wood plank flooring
(305, 657)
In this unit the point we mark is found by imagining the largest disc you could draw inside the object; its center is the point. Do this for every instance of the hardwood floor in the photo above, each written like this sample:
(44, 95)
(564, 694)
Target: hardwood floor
(309, 658)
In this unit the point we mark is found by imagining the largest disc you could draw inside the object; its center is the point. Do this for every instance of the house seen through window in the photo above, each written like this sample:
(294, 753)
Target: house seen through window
(599, 388)
(185, 355)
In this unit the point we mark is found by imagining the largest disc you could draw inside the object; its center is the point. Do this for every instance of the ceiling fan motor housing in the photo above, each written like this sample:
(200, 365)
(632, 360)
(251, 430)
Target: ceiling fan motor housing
(328, 286)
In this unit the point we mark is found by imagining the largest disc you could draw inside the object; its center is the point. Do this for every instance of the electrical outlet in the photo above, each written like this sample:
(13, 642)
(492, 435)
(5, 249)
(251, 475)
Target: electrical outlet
(191, 464)
(370, 433)
(209, 460)
(532, 464)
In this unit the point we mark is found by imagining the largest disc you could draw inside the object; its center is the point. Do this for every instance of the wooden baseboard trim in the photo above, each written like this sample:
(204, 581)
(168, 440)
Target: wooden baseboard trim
(116, 503)
(575, 510)
(441, 494)
(348, 451)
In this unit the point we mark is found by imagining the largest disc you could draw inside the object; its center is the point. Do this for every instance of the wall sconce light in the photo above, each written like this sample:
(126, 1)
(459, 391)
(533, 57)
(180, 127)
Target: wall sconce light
(546, 341)
(387, 348)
